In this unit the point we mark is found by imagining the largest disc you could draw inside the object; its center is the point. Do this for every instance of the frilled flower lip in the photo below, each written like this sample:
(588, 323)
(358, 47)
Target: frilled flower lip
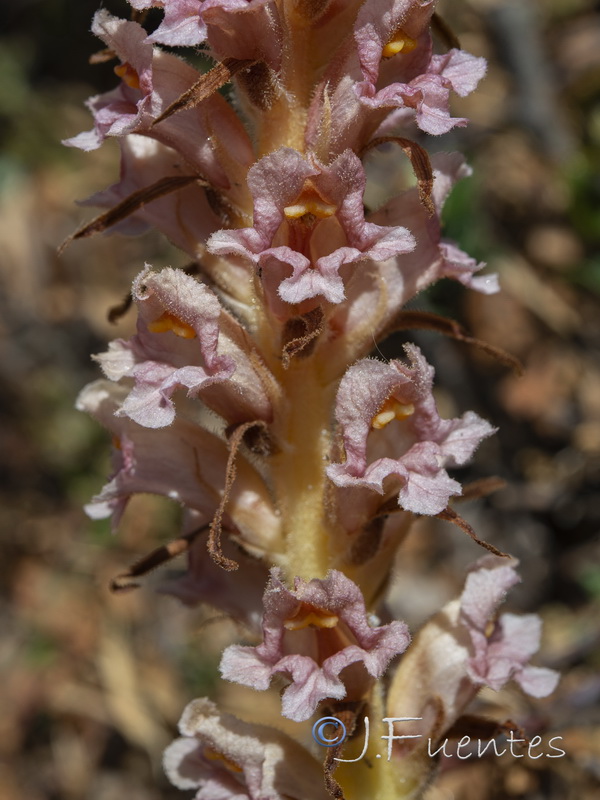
(175, 346)
(232, 28)
(224, 757)
(452, 653)
(429, 94)
(127, 107)
(430, 443)
(277, 183)
(502, 649)
(332, 608)
(185, 340)
(429, 79)
(182, 24)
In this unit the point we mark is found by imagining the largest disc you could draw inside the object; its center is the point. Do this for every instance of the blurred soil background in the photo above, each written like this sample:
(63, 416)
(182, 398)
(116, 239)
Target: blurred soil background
(92, 683)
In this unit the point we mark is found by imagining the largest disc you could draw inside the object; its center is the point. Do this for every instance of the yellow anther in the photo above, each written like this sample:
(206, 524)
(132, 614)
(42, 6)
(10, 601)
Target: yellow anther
(399, 43)
(391, 410)
(169, 322)
(317, 208)
(116, 442)
(213, 755)
(310, 616)
(128, 75)
(310, 204)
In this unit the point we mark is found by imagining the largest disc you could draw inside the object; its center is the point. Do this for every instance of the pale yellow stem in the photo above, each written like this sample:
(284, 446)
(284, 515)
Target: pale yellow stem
(302, 431)
(375, 776)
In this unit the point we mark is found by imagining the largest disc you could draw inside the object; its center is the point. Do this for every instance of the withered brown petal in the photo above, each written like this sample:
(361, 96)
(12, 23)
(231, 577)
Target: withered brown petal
(300, 335)
(444, 32)
(421, 165)
(131, 204)
(480, 488)
(125, 581)
(450, 515)
(426, 320)
(206, 86)
(216, 526)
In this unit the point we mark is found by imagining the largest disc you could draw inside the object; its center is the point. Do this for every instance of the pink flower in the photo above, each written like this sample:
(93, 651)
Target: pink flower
(151, 81)
(451, 657)
(502, 652)
(319, 637)
(190, 470)
(186, 340)
(233, 28)
(391, 430)
(227, 759)
(398, 69)
(309, 220)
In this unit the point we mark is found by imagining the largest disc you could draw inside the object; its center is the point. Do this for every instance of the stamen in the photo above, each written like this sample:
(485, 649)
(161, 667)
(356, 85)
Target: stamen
(213, 755)
(399, 43)
(310, 616)
(309, 203)
(128, 75)
(392, 409)
(169, 322)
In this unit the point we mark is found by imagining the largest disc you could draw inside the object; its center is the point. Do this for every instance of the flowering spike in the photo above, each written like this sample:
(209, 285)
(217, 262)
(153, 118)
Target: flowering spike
(248, 394)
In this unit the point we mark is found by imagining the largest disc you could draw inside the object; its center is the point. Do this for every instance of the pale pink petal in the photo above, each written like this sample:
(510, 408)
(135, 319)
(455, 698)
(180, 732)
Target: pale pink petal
(182, 24)
(228, 759)
(313, 252)
(247, 29)
(190, 470)
(294, 650)
(184, 216)
(415, 448)
(502, 653)
(485, 588)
